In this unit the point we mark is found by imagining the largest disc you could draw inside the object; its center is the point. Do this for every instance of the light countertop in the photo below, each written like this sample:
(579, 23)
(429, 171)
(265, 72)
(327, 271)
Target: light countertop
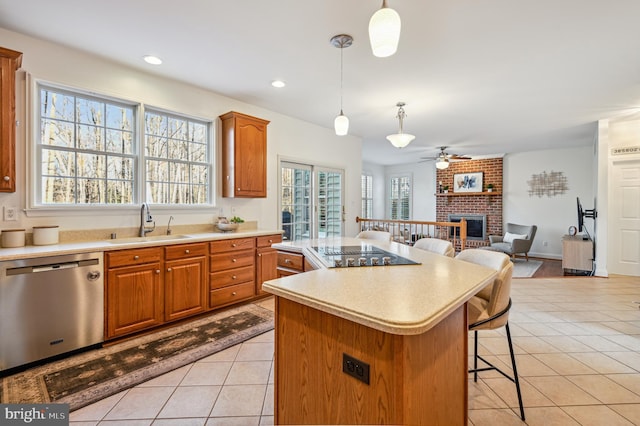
(398, 299)
(28, 252)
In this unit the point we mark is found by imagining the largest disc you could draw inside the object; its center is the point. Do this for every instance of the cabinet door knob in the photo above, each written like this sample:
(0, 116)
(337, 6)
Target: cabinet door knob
(187, 251)
(233, 245)
(233, 294)
(234, 260)
(287, 261)
(168, 269)
(270, 241)
(7, 178)
(233, 277)
(157, 271)
(136, 257)
(259, 254)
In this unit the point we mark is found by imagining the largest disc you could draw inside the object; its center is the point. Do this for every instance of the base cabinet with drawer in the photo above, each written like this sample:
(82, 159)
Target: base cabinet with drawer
(134, 291)
(266, 260)
(232, 271)
(290, 263)
(185, 280)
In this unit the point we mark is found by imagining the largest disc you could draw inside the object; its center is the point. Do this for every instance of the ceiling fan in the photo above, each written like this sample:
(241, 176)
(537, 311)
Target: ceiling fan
(442, 159)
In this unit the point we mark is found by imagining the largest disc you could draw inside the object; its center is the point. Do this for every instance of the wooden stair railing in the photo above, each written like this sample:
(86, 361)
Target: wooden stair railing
(409, 231)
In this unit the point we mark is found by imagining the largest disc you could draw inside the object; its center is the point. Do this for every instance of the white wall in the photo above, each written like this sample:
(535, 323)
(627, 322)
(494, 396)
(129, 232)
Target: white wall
(552, 215)
(423, 174)
(296, 138)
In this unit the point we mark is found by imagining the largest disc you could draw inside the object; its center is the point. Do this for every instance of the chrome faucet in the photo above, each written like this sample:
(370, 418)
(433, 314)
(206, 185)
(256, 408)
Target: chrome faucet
(145, 217)
(169, 225)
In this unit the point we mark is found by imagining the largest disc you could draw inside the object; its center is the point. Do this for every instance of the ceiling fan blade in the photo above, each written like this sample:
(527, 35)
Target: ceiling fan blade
(458, 157)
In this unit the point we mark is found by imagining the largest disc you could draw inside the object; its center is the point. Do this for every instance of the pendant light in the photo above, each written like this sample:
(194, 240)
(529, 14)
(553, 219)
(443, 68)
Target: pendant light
(341, 123)
(384, 31)
(400, 139)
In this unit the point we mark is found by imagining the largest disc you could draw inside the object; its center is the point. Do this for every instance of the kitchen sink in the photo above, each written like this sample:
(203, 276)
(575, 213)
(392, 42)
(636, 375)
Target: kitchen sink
(156, 238)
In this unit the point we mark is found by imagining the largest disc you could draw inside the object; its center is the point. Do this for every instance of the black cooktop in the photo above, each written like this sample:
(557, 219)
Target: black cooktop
(362, 255)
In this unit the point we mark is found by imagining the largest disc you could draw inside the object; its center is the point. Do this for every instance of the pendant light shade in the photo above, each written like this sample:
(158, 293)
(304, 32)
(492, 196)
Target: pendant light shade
(400, 139)
(384, 31)
(341, 123)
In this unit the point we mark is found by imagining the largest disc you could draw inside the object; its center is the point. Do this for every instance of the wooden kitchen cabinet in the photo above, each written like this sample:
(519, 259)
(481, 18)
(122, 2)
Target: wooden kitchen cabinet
(232, 271)
(244, 156)
(266, 260)
(10, 62)
(289, 263)
(134, 291)
(185, 280)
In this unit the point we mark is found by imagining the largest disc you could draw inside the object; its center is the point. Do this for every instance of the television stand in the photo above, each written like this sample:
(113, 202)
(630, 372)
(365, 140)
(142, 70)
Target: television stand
(577, 255)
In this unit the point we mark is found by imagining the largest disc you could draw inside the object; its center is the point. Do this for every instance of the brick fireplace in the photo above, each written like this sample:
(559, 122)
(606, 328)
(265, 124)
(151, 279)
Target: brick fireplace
(485, 203)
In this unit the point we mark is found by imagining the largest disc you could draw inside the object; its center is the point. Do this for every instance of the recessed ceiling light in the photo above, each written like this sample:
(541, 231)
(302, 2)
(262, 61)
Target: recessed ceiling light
(278, 83)
(153, 60)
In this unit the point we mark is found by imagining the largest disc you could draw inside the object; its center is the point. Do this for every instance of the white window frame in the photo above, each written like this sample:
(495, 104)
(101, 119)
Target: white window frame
(34, 208)
(390, 178)
(366, 202)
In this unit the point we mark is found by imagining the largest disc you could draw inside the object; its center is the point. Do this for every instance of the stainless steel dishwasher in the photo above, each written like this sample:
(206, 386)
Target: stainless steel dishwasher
(50, 306)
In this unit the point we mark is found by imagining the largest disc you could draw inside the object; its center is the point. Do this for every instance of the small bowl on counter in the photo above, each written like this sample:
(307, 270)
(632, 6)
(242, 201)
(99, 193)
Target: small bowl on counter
(227, 227)
(45, 235)
(13, 238)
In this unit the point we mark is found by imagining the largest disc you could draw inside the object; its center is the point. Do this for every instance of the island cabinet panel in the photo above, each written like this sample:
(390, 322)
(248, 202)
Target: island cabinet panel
(134, 298)
(244, 155)
(185, 280)
(231, 271)
(414, 379)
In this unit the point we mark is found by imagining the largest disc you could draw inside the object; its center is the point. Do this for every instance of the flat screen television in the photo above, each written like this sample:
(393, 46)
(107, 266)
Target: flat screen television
(580, 215)
(590, 213)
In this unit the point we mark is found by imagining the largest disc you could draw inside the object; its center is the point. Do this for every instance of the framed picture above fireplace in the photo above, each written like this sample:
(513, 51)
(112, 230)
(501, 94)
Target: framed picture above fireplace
(467, 182)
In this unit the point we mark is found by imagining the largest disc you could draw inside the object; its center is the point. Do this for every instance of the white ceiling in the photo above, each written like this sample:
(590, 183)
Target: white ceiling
(483, 77)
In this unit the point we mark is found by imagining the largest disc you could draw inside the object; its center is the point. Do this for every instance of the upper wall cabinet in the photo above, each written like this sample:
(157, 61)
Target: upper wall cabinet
(244, 156)
(10, 61)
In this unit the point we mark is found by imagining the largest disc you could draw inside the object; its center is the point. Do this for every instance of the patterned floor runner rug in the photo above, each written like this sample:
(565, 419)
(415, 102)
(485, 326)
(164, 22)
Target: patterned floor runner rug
(87, 377)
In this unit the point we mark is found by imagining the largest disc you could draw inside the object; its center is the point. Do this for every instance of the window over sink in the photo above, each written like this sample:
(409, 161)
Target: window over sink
(94, 150)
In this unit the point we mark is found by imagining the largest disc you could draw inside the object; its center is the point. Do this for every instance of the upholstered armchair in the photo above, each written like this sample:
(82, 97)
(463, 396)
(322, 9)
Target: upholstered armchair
(516, 240)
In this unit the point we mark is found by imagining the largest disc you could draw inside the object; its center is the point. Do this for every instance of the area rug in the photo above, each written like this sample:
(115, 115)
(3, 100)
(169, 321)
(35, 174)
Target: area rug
(524, 269)
(93, 375)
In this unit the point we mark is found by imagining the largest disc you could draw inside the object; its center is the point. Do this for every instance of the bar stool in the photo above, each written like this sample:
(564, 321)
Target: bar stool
(436, 245)
(489, 309)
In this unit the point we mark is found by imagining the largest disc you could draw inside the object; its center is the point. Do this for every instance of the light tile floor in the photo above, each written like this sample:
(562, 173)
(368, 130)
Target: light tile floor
(577, 342)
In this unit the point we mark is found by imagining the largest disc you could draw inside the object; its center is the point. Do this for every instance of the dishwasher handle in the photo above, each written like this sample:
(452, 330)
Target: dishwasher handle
(50, 267)
(54, 267)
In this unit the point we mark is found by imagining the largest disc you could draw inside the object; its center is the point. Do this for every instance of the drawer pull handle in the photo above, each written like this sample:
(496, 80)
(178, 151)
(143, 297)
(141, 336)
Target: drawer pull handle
(233, 245)
(234, 260)
(270, 241)
(136, 257)
(233, 277)
(233, 294)
(187, 251)
(287, 261)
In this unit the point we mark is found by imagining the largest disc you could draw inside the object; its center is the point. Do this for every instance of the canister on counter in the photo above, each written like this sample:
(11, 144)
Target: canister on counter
(45, 235)
(12, 238)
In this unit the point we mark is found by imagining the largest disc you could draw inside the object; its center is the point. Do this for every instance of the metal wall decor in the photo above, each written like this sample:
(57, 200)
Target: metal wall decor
(549, 184)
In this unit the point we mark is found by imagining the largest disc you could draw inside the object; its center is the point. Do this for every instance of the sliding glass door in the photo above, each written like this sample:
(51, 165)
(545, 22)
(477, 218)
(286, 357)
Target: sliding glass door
(311, 201)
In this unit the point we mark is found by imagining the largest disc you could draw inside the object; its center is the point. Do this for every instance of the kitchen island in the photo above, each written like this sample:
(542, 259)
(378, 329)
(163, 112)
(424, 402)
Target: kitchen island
(373, 344)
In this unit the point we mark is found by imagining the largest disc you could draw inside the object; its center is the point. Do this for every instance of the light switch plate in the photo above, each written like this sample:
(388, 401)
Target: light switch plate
(10, 214)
